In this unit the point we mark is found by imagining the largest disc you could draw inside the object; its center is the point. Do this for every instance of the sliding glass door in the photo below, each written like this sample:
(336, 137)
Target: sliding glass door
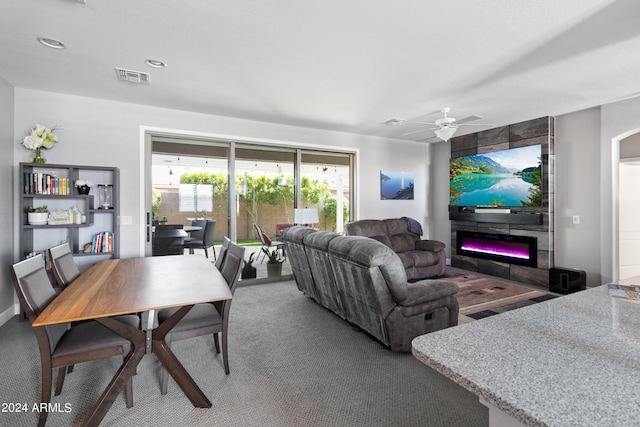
(249, 187)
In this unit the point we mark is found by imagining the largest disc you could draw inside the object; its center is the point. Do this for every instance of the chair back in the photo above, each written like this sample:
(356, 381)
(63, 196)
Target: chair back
(264, 238)
(63, 266)
(230, 269)
(223, 252)
(163, 229)
(35, 292)
(209, 231)
(232, 265)
(198, 234)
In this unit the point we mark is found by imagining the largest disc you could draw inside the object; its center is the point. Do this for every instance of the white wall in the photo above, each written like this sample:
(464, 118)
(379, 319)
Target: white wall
(101, 132)
(577, 189)
(7, 307)
(629, 221)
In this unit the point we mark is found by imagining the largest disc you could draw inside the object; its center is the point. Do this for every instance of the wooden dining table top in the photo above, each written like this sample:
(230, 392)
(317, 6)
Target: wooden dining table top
(131, 285)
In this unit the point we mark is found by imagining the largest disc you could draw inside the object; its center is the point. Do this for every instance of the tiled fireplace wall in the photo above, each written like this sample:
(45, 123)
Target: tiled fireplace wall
(517, 223)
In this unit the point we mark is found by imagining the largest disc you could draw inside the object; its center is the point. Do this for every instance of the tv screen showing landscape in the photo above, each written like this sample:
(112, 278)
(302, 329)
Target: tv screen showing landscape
(506, 178)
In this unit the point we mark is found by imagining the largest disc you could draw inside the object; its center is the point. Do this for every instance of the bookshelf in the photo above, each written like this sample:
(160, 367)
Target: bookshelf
(74, 217)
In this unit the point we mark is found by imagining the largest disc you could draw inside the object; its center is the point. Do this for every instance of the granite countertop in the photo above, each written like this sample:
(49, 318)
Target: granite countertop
(569, 361)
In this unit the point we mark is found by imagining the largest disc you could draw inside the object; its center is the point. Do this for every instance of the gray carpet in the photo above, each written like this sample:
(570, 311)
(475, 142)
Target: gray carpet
(293, 363)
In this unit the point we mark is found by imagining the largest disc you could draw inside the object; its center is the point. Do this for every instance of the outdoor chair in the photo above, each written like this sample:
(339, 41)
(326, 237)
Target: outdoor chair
(267, 243)
(206, 241)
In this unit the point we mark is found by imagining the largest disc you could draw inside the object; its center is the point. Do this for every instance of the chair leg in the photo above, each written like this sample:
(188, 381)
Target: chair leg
(61, 373)
(47, 379)
(70, 369)
(225, 356)
(216, 342)
(205, 252)
(128, 392)
(213, 249)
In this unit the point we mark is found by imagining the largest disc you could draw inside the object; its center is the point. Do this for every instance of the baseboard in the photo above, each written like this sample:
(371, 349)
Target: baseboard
(6, 315)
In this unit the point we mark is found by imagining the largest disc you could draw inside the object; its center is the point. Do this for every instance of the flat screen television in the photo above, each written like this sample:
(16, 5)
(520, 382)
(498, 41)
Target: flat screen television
(505, 178)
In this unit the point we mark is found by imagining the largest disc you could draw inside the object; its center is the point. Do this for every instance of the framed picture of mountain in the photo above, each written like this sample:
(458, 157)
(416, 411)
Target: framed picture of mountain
(396, 185)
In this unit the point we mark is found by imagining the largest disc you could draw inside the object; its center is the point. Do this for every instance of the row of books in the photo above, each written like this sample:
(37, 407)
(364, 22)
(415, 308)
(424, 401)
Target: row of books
(101, 242)
(44, 183)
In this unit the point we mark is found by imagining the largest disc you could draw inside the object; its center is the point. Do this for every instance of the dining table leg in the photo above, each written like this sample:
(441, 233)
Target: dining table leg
(164, 354)
(122, 375)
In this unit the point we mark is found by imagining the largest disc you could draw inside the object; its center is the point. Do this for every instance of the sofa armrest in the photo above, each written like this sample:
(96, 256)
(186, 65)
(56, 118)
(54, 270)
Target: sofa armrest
(430, 245)
(428, 290)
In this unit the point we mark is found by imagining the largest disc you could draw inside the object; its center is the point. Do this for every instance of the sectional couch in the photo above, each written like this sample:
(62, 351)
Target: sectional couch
(364, 282)
(421, 258)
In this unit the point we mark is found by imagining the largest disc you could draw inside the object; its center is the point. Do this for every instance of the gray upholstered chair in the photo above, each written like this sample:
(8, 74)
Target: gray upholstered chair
(62, 345)
(63, 266)
(223, 252)
(208, 318)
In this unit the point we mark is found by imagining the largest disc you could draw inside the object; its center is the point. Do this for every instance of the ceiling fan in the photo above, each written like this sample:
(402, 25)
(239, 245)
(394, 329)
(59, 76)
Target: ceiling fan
(445, 127)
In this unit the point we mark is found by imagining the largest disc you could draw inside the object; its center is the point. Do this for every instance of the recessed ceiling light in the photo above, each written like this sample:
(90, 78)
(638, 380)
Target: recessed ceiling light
(52, 43)
(155, 63)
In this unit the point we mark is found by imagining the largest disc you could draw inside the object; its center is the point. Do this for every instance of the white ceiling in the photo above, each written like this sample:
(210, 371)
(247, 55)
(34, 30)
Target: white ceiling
(344, 65)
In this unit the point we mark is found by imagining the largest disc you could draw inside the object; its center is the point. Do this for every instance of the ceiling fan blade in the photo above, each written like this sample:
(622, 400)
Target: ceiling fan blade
(430, 139)
(475, 124)
(415, 131)
(468, 119)
(424, 123)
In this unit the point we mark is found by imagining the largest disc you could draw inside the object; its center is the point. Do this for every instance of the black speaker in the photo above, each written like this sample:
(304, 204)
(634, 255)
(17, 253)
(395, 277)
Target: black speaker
(565, 281)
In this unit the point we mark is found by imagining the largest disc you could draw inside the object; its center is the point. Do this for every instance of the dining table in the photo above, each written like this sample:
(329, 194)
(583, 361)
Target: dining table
(139, 285)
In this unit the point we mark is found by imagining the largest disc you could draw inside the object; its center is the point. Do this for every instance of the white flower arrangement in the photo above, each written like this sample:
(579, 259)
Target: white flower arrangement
(83, 182)
(40, 137)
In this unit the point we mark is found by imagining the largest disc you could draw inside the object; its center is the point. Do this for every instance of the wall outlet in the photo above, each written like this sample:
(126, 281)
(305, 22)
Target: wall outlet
(126, 220)
(576, 219)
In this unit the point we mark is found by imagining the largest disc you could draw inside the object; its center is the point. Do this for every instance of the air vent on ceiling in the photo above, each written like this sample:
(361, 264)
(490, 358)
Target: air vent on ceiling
(132, 76)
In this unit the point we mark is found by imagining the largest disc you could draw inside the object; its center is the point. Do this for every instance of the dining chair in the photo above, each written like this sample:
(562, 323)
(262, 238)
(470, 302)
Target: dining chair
(267, 243)
(65, 270)
(62, 345)
(223, 252)
(196, 235)
(207, 239)
(208, 318)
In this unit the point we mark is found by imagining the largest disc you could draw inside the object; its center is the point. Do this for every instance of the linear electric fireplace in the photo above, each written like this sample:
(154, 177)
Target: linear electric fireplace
(521, 250)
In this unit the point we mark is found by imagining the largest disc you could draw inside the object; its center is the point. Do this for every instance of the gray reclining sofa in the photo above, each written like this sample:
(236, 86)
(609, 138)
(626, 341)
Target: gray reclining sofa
(422, 259)
(364, 282)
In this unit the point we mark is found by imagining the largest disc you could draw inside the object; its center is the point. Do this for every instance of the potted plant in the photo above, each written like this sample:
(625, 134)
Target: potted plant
(248, 270)
(274, 262)
(38, 215)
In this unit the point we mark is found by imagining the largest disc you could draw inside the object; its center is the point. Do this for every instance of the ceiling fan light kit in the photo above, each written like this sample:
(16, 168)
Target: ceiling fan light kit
(445, 133)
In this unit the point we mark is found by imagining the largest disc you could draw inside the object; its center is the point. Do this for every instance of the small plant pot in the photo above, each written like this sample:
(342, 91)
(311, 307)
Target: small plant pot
(249, 273)
(83, 189)
(38, 218)
(274, 270)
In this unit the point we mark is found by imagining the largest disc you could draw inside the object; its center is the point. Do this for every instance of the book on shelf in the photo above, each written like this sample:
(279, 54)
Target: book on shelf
(45, 184)
(624, 291)
(102, 242)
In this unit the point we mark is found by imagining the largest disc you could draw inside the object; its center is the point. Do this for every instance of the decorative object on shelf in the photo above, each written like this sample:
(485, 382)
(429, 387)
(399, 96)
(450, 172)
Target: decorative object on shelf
(83, 186)
(40, 138)
(38, 215)
(105, 192)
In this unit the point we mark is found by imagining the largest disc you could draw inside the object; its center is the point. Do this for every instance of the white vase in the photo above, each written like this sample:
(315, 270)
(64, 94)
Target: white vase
(38, 218)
